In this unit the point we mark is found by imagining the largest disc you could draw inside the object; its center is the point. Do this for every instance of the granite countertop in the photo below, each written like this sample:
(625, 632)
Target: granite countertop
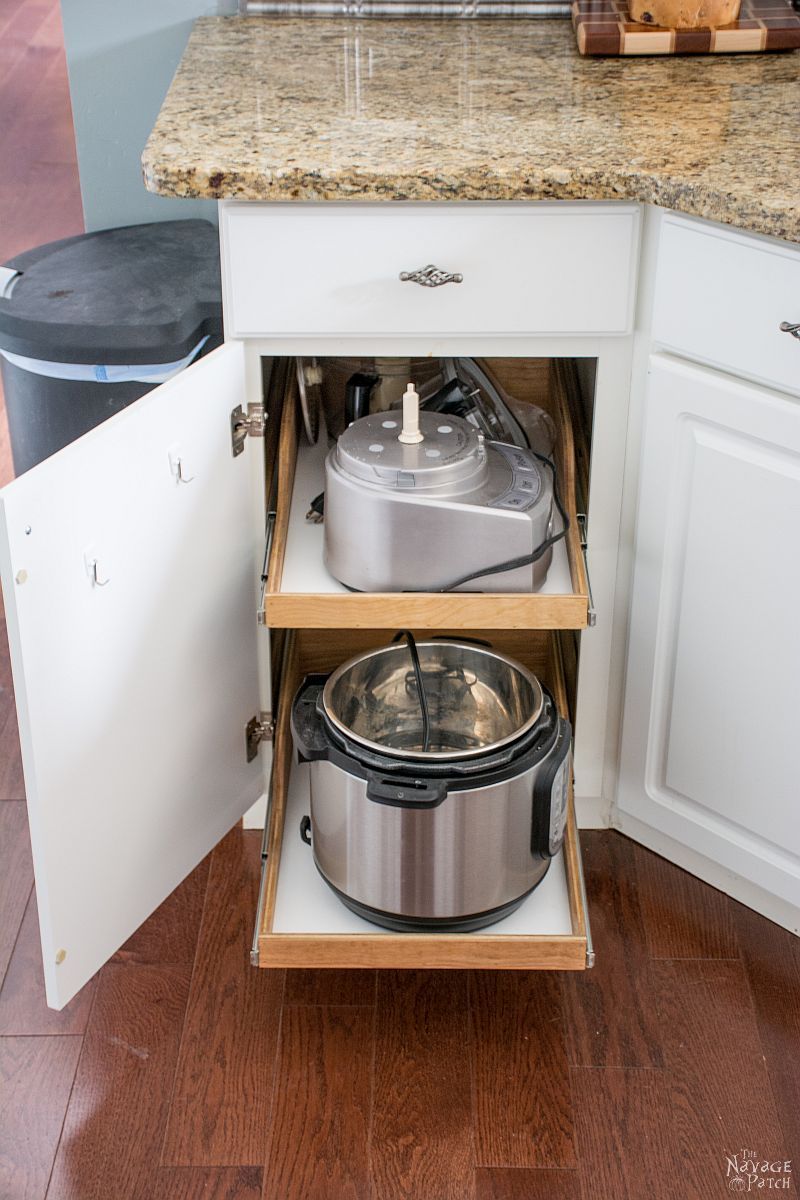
(311, 109)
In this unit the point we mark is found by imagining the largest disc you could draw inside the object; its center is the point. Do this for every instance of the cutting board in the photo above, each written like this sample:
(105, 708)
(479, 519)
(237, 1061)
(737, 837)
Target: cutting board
(605, 27)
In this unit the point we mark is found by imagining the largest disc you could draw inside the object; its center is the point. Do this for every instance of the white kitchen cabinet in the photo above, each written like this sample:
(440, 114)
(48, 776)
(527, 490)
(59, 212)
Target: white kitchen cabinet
(131, 565)
(709, 771)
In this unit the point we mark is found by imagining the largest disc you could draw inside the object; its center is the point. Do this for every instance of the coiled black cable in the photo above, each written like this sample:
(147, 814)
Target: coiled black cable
(423, 699)
(524, 560)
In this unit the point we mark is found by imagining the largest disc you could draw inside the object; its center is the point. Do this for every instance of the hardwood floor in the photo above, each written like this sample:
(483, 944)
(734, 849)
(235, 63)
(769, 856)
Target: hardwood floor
(221, 1096)
(320, 1121)
(522, 1104)
(180, 1060)
(181, 1073)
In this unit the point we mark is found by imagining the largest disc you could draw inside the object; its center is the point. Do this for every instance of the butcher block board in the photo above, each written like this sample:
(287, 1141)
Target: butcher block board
(604, 27)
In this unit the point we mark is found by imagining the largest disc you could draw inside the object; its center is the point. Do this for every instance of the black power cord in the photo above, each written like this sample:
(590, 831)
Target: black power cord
(524, 560)
(423, 699)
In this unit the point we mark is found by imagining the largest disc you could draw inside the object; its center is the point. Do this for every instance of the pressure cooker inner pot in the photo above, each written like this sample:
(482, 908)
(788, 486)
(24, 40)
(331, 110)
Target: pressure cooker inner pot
(477, 700)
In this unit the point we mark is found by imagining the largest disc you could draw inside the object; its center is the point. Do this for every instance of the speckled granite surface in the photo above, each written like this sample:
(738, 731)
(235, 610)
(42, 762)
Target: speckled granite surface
(294, 109)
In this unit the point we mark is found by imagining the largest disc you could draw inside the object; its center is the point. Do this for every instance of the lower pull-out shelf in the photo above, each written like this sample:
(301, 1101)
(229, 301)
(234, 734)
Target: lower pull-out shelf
(300, 921)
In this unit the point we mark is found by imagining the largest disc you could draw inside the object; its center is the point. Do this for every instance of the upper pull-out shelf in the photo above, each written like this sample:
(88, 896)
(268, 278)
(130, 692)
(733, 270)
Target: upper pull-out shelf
(300, 593)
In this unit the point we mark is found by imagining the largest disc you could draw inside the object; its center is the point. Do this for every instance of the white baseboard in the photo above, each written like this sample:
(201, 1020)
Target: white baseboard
(592, 812)
(750, 894)
(255, 817)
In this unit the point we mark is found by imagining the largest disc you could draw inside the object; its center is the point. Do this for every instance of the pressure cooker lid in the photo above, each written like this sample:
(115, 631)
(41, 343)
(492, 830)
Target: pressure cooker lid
(451, 451)
(477, 700)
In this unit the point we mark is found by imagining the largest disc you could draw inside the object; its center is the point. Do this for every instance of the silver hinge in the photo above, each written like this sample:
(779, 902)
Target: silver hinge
(257, 730)
(592, 614)
(244, 425)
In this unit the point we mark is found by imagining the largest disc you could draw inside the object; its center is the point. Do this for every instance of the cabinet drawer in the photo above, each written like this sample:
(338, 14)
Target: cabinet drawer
(335, 269)
(301, 923)
(301, 594)
(721, 298)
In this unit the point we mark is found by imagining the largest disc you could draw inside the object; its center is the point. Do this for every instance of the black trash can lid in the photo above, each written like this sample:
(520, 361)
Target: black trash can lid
(140, 294)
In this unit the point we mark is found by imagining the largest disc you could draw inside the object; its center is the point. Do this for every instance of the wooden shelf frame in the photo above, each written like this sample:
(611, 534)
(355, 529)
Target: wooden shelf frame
(486, 950)
(426, 610)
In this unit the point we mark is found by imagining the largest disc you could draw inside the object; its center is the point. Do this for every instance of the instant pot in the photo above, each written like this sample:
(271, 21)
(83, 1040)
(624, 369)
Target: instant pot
(439, 782)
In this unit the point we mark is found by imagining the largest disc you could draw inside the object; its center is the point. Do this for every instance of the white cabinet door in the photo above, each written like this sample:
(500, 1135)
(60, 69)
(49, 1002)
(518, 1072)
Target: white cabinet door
(711, 730)
(133, 691)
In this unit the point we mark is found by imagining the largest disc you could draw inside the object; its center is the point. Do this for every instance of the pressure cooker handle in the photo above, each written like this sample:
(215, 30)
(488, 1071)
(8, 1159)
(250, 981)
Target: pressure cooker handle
(551, 795)
(307, 728)
(405, 793)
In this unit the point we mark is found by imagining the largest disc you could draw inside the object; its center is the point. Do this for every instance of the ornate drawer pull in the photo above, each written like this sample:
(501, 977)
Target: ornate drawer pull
(788, 327)
(430, 276)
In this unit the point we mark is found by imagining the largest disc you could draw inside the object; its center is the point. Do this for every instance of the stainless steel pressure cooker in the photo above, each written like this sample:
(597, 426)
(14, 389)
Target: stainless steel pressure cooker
(439, 782)
(439, 509)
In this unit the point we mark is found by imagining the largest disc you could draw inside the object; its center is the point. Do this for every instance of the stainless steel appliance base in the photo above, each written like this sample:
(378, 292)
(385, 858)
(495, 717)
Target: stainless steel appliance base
(466, 924)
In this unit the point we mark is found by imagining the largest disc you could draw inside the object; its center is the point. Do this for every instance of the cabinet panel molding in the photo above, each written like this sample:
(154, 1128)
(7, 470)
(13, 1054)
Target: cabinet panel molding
(713, 683)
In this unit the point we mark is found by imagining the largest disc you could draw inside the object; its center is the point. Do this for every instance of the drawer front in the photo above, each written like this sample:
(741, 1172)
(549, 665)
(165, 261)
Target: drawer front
(721, 298)
(335, 269)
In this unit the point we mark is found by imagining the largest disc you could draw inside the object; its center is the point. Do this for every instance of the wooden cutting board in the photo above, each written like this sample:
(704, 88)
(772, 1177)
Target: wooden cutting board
(605, 27)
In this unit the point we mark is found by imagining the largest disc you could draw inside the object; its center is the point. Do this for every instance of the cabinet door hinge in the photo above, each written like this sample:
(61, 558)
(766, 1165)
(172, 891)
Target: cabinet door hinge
(246, 424)
(257, 730)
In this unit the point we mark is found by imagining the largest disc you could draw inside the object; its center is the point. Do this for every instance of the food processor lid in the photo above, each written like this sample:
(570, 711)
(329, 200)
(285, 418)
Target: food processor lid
(451, 451)
(478, 701)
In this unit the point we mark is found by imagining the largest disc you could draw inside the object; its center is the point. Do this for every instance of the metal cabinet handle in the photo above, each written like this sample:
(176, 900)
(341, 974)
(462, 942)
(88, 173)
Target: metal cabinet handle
(793, 329)
(431, 276)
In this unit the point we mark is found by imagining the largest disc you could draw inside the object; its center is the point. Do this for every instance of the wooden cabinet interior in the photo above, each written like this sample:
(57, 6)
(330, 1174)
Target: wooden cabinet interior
(543, 382)
(311, 650)
(317, 631)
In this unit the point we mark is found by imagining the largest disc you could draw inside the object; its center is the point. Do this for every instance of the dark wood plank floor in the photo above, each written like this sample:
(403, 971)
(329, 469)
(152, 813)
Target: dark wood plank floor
(180, 1073)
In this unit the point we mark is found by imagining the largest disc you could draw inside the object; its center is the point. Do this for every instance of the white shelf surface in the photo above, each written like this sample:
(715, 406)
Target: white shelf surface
(303, 567)
(305, 904)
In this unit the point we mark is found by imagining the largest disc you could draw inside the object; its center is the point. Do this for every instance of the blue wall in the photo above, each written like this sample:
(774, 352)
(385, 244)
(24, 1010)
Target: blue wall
(121, 58)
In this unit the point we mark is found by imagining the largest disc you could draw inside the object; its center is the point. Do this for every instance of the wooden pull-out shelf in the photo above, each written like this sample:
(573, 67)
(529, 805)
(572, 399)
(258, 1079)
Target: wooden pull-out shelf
(301, 594)
(301, 923)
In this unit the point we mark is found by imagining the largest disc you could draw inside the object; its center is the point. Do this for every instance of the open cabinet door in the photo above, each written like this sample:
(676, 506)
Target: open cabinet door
(129, 583)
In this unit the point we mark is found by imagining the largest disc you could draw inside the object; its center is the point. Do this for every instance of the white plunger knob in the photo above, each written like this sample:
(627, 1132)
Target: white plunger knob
(411, 431)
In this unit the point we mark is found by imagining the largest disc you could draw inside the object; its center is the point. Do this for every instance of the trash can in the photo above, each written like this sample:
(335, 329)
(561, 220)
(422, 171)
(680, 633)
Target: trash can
(91, 323)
